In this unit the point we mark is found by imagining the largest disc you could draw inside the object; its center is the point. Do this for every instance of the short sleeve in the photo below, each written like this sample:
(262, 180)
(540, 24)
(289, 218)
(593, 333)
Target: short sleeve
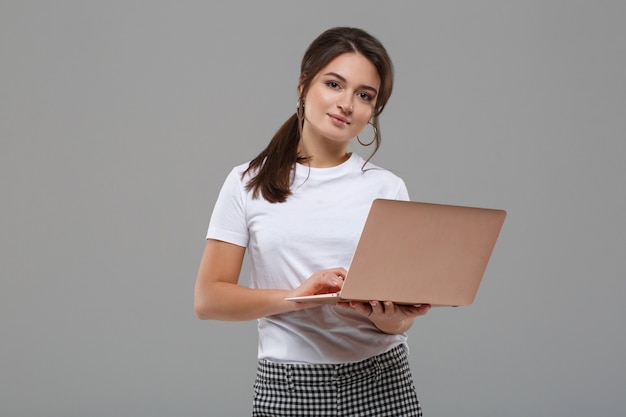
(403, 193)
(228, 220)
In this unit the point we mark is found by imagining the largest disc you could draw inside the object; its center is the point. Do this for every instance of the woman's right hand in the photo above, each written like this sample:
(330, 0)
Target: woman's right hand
(327, 281)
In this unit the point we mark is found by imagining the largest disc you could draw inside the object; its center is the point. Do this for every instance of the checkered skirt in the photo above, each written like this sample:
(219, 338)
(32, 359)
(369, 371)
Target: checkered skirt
(379, 386)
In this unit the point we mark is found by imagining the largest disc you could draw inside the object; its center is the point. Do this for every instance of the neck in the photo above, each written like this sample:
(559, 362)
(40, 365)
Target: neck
(323, 159)
(323, 154)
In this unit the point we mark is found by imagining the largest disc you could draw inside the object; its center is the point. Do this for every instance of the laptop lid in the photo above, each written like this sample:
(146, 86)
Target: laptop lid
(420, 253)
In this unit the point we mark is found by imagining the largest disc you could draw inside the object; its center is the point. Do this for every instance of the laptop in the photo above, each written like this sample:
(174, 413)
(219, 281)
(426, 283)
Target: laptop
(414, 253)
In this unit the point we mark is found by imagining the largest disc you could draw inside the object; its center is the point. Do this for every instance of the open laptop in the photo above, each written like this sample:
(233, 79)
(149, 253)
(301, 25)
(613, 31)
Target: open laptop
(419, 253)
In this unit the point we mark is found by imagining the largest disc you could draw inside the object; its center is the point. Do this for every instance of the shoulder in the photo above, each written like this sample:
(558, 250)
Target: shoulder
(370, 168)
(389, 183)
(241, 168)
(235, 180)
(238, 173)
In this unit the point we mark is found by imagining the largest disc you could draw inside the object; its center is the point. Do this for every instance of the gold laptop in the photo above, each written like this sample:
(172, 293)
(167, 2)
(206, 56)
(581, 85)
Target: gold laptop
(419, 253)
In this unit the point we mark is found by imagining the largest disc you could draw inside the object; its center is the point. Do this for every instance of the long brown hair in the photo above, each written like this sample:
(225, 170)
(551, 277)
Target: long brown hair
(273, 168)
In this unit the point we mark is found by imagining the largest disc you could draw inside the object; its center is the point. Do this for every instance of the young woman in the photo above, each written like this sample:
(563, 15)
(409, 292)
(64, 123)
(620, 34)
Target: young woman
(299, 208)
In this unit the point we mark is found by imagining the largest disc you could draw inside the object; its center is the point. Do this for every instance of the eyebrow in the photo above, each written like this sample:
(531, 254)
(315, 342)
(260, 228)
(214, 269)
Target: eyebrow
(364, 86)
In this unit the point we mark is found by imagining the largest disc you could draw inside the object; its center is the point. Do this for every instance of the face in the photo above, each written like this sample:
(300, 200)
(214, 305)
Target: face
(341, 99)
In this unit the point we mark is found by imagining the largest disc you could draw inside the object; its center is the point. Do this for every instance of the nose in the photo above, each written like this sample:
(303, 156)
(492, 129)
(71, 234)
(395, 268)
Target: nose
(345, 104)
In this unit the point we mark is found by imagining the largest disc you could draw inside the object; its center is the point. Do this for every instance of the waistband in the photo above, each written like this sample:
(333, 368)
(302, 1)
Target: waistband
(316, 374)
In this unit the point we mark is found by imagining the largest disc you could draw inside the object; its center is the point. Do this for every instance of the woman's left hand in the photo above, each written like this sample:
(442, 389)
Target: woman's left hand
(387, 316)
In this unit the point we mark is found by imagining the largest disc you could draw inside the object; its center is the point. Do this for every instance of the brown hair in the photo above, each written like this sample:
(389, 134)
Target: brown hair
(273, 167)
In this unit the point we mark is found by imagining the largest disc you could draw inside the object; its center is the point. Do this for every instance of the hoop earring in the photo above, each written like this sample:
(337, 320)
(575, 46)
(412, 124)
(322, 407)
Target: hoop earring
(373, 139)
(300, 109)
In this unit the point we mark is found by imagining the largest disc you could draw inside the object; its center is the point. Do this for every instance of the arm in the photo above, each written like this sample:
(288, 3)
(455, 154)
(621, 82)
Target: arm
(218, 295)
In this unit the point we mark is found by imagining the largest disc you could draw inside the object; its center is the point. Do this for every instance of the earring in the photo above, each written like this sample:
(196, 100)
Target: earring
(373, 139)
(300, 110)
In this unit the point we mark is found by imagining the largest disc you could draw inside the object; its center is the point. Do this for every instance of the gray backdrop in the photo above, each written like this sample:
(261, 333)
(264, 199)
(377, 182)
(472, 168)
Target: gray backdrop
(120, 119)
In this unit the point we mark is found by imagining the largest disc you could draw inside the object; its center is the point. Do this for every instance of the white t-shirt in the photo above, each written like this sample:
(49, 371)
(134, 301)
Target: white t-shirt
(316, 228)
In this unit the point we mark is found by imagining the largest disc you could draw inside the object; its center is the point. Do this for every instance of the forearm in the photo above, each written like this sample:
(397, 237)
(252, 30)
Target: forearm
(233, 302)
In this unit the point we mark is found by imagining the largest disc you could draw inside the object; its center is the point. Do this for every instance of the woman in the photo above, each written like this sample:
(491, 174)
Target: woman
(299, 207)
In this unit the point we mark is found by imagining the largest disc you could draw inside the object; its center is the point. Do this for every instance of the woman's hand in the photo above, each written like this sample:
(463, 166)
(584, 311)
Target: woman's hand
(387, 316)
(327, 281)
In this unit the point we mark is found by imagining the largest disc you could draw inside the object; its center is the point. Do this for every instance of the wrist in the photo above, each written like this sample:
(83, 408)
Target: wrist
(393, 326)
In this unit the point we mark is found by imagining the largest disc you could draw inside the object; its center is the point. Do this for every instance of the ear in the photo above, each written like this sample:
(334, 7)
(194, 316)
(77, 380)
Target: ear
(301, 84)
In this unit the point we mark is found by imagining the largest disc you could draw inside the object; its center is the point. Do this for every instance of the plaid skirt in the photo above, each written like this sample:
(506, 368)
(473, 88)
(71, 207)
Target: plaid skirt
(379, 386)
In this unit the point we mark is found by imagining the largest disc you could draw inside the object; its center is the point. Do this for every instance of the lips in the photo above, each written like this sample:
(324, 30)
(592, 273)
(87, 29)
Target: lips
(338, 120)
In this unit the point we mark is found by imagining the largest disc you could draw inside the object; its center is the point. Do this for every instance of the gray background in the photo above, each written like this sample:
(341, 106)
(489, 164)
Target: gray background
(119, 121)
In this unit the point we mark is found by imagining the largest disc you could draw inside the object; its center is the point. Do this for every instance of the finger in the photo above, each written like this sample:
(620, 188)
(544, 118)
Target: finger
(389, 307)
(340, 271)
(361, 308)
(377, 307)
(328, 280)
(424, 308)
(335, 282)
(416, 310)
(337, 273)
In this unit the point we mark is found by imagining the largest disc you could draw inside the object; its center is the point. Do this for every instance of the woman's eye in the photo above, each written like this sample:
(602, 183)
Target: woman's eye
(365, 97)
(332, 84)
